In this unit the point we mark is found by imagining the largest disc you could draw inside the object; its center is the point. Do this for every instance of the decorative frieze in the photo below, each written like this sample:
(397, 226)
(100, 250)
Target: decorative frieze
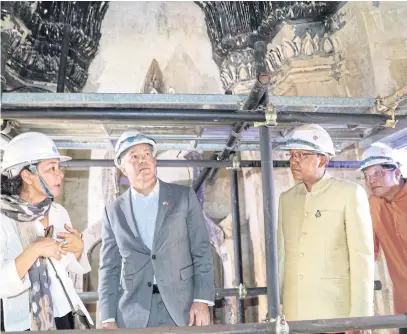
(234, 27)
(238, 67)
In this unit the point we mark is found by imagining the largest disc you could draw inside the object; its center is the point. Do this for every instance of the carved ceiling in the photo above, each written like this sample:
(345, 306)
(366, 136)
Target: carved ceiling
(234, 27)
(36, 37)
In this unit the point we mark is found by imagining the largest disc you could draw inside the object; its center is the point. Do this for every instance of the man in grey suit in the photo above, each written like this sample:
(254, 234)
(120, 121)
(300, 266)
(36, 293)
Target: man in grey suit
(156, 266)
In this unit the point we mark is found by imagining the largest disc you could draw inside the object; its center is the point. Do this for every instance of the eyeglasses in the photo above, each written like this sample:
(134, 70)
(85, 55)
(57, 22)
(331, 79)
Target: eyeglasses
(376, 175)
(298, 155)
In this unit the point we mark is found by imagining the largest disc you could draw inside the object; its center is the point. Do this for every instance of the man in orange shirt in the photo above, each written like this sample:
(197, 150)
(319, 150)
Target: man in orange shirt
(382, 169)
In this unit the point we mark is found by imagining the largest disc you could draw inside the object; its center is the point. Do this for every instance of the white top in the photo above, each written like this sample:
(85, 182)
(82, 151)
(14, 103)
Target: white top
(15, 292)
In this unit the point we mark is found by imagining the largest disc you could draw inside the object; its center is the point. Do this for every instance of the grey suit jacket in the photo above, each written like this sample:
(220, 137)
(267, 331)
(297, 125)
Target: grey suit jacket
(180, 259)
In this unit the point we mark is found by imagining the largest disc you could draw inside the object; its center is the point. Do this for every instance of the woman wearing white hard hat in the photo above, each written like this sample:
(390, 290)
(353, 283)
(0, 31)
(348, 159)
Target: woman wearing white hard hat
(38, 244)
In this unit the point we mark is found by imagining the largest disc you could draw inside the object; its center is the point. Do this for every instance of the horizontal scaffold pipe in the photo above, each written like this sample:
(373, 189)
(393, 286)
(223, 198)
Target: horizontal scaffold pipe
(183, 101)
(173, 116)
(86, 163)
(305, 326)
(220, 293)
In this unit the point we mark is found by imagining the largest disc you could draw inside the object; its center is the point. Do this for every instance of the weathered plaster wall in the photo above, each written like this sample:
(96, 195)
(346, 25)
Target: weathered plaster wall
(386, 29)
(374, 44)
(75, 191)
(135, 33)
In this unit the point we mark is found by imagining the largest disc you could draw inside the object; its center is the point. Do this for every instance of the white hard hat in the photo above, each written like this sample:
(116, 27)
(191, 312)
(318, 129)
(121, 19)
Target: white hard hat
(129, 139)
(379, 154)
(26, 149)
(309, 137)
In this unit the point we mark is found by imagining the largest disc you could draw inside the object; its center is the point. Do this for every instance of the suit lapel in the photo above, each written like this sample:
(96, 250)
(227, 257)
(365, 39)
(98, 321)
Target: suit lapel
(164, 199)
(127, 209)
(163, 204)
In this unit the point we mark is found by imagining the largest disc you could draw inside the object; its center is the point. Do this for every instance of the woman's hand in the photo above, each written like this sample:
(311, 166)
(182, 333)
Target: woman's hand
(73, 242)
(47, 247)
(41, 247)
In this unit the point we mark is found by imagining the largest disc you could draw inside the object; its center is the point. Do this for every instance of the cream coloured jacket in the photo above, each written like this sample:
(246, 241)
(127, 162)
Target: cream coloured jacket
(326, 253)
(15, 291)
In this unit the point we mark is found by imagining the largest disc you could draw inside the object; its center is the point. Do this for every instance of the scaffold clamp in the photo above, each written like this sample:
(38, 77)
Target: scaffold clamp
(242, 291)
(271, 117)
(235, 163)
(281, 324)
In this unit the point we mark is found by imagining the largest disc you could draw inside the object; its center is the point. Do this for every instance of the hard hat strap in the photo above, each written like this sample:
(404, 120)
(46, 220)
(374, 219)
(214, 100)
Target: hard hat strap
(34, 169)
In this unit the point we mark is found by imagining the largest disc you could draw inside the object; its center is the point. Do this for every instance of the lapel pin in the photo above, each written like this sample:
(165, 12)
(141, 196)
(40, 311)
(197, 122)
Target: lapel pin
(165, 203)
(318, 214)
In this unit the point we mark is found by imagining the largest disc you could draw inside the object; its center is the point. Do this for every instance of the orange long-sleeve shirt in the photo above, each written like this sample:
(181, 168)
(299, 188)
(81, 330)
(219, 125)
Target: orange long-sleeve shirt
(390, 233)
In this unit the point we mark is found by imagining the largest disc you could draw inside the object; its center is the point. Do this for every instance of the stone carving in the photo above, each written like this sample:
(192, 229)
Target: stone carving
(234, 27)
(335, 22)
(37, 35)
(154, 82)
(239, 65)
(238, 25)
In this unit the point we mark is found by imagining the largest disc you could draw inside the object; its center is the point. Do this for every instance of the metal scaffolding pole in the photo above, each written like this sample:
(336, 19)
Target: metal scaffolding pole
(215, 102)
(237, 245)
(306, 326)
(86, 163)
(270, 222)
(220, 293)
(197, 115)
(255, 98)
(95, 114)
(204, 173)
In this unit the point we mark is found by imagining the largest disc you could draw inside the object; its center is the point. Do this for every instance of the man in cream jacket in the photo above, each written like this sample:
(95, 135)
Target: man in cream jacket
(325, 237)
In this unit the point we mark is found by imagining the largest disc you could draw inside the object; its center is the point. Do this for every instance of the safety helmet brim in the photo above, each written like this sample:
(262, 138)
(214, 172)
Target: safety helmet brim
(373, 161)
(294, 144)
(19, 166)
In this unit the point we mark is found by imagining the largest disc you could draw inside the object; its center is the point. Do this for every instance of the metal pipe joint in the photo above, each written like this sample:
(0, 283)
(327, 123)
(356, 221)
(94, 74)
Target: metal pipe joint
(270, 114)
(281, 325)
(235, 163)
(242, 291)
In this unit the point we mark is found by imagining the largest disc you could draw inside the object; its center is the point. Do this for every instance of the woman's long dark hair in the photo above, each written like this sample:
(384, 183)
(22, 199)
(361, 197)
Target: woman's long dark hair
(12, 186)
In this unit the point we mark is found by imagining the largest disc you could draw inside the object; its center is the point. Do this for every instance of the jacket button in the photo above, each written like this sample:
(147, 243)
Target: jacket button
(153, 257)
(149, 284)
